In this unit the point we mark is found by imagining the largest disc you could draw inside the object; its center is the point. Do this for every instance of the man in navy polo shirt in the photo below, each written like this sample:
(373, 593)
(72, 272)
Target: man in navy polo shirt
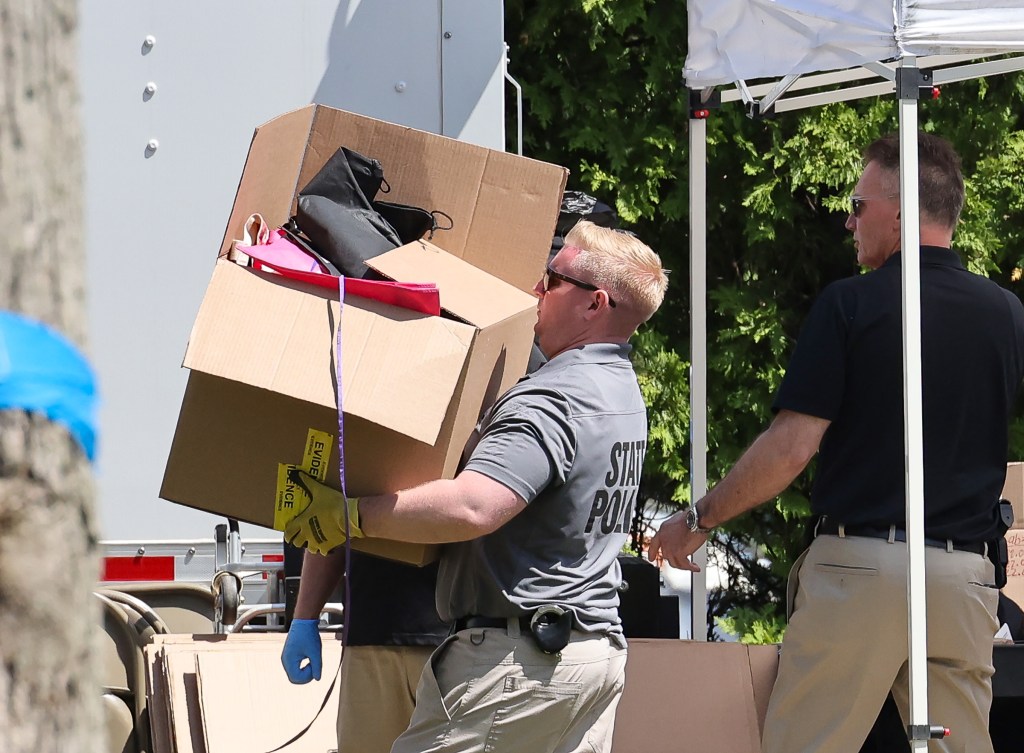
(846, 644)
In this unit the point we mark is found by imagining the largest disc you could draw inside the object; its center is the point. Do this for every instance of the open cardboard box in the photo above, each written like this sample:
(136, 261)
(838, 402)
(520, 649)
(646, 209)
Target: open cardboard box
(261, 351)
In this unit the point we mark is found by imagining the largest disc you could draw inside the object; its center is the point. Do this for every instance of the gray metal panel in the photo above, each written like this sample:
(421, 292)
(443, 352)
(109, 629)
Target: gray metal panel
(472, 71)
(385, 61)
(154, 219)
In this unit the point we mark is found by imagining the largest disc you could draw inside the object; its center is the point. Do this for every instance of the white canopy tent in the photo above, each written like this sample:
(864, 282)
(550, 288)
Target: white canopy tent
(869, 48)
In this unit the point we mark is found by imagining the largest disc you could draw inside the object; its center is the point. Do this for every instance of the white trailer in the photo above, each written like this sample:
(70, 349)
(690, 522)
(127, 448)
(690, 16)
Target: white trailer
(171, 94)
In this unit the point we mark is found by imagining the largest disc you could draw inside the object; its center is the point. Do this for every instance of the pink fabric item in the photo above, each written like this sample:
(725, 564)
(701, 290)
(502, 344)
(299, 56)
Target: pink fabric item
(272, 251)
(278, 252)
(423, 297)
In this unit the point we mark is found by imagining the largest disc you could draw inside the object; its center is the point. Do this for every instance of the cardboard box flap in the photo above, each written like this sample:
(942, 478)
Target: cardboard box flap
(400, 369)
(272, 166)
(466, 292)
(405, 376)
(510, 236)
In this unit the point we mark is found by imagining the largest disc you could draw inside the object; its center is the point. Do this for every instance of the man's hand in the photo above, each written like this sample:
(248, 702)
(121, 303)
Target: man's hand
(303, 643)
(676, 542)
(320, 527)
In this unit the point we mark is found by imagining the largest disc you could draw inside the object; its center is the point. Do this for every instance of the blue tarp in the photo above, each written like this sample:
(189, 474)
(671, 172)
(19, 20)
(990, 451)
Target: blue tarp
(41, 371)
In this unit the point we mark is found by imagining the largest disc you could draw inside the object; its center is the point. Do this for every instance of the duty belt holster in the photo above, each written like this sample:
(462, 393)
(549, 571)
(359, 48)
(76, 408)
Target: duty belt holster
(551, 628)
(997, 550)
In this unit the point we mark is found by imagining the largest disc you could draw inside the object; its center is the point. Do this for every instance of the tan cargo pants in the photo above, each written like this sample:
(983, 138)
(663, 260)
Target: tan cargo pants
(846, 646)
(377, 690)
(491, 689)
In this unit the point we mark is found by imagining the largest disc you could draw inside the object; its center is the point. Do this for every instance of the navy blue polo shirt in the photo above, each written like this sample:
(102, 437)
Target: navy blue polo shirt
(393, 604)
(848, 368)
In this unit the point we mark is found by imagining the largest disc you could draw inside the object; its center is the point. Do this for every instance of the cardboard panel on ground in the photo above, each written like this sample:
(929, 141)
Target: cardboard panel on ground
(261, 352)
(229, 693)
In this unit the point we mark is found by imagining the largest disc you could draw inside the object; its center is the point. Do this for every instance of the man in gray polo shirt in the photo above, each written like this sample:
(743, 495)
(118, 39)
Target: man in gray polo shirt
(539, 511)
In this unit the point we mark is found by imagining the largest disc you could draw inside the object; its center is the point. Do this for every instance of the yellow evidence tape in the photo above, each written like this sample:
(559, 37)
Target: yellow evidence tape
(291, 499)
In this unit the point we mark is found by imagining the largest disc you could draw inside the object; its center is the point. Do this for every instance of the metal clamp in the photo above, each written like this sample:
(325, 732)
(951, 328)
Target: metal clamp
(918, 732)
(912, 82)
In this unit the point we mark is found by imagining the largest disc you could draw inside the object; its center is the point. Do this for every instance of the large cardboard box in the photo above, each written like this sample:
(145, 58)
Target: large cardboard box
(1014, 587)
(261, 352)
(1013, 490)
(694, 696)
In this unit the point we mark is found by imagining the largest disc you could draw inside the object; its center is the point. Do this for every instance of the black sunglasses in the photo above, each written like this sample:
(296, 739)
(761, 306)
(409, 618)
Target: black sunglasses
(550, 274)
(857, 202)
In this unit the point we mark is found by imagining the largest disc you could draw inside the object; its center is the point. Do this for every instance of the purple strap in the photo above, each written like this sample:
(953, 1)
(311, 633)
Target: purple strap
(348, 545)
(341, 467)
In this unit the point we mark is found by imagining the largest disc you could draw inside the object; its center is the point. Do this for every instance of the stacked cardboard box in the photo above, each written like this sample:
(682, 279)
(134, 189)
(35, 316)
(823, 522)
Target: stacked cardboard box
(261, 352)
(228, 693)
(1013, 490)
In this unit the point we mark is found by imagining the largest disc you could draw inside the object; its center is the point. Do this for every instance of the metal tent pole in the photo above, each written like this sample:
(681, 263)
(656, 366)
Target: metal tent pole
(698, 350)
(908, 82)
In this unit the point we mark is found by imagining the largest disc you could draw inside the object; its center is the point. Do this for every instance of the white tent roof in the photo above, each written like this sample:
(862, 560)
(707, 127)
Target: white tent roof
(736, 40)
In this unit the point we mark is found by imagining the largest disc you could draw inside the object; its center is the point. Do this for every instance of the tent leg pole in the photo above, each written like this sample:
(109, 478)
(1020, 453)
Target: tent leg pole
(698, 359)
(908, 91)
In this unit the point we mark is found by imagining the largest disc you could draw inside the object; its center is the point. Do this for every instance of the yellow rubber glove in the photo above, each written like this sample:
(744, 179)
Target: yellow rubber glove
(320, 527)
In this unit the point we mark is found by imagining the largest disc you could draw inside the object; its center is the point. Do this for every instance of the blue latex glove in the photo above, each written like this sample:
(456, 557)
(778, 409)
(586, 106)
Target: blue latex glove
(303, 642)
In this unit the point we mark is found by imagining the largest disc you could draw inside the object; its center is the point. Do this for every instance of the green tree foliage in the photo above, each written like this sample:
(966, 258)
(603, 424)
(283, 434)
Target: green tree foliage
(604, 95)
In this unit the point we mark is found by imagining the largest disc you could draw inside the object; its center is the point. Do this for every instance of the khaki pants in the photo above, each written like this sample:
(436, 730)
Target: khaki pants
(487, 690)
(377, 691)
(846, 647)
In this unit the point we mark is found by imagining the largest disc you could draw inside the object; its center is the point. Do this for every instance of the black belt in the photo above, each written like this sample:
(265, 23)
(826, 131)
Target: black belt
(478, 621)
(831, 528)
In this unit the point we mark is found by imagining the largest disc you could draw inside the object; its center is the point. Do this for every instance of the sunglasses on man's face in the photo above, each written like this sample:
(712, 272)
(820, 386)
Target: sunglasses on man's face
(550, 274)
(857, 202)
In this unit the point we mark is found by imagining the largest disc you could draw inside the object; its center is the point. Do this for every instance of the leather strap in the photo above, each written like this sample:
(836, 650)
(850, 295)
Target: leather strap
(479, 621)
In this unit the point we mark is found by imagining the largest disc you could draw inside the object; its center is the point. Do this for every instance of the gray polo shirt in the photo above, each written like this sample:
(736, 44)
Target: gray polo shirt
(570, 440)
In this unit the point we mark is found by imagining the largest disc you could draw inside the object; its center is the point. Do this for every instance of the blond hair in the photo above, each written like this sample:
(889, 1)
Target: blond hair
(621, 264)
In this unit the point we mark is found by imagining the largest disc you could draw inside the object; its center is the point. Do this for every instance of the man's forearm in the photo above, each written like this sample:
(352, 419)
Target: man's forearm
(768, 466)
(320, 576)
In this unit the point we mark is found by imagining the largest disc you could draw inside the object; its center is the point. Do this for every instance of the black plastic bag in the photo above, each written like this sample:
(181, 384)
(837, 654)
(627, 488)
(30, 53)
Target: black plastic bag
(335, 212)
(339, 221)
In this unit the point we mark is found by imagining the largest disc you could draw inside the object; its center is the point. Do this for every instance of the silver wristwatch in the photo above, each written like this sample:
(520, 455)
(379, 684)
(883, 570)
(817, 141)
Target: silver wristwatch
(692, 520)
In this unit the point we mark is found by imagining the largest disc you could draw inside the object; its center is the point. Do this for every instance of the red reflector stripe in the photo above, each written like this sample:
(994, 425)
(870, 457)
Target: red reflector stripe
(272, 558)
(138, 568)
